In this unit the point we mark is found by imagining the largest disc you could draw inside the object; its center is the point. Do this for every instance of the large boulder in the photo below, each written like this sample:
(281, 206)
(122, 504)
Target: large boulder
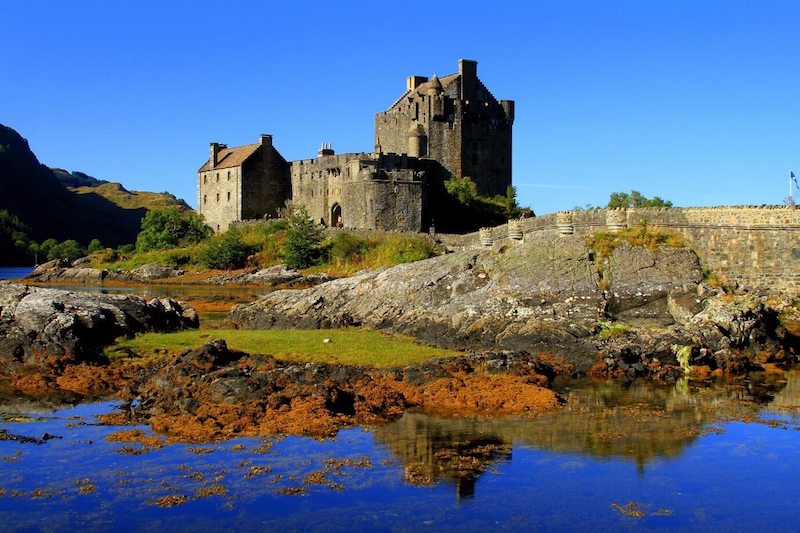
(47, 328)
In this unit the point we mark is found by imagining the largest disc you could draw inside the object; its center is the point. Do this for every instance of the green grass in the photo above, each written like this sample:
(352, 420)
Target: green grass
(347, 346)
(603, 243)
(610, 330)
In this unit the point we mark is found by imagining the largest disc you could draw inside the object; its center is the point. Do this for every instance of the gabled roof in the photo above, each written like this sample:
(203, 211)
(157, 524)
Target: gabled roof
(231, 157)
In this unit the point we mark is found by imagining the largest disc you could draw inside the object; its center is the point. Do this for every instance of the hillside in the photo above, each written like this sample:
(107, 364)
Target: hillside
(124, 198)
(40, 202)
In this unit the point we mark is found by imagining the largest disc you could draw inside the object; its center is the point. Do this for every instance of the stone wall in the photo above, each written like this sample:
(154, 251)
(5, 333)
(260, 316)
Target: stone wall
(457, 122)
(219, 194)
(753, 247)
(362, 191)
(265, 184)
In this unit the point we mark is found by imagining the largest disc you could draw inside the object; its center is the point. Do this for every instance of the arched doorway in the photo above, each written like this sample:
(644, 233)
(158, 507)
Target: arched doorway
(336, 216)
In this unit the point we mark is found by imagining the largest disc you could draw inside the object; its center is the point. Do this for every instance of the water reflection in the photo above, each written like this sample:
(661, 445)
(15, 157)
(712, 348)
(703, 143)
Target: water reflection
(639, 422)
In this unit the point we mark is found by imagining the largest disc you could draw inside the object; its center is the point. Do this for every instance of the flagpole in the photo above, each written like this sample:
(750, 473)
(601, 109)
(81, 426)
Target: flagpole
(790, 185)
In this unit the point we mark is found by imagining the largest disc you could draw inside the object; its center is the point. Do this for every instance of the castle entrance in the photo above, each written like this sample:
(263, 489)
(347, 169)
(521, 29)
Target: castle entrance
(336, 216)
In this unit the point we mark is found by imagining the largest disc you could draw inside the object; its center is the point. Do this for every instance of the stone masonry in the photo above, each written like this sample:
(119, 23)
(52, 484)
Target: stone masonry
(754, 247)
(437, 128)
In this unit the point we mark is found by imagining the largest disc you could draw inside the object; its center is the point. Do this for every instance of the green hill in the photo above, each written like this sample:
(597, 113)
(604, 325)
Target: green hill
(42, 206)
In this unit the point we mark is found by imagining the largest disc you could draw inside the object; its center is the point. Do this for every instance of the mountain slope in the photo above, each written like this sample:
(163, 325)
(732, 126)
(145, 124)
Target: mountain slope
(37, 197)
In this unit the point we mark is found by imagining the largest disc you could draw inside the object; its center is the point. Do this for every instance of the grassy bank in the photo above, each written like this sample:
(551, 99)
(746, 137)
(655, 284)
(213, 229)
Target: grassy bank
(263, 244)
(345, 346)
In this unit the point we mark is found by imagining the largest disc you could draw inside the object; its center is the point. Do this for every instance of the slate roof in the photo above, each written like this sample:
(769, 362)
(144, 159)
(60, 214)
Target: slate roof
(231, 157)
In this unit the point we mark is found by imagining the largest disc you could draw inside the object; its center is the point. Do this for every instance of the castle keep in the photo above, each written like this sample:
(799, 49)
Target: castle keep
(437, 128)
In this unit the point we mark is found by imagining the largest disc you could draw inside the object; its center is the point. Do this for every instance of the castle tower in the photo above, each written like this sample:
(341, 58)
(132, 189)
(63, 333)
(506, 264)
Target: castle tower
(456, 121)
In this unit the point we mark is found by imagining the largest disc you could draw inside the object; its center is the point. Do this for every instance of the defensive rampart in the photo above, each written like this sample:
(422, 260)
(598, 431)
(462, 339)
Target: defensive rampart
(757, 247)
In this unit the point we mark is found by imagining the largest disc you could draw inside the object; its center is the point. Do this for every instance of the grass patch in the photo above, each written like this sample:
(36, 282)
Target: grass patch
(610, 330)
(347, 346)
(603, 243)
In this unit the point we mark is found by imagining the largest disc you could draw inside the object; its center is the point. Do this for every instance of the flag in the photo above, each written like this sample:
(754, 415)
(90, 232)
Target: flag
(791, 175)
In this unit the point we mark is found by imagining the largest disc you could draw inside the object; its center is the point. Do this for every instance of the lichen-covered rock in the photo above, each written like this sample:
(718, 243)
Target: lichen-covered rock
(47, 328)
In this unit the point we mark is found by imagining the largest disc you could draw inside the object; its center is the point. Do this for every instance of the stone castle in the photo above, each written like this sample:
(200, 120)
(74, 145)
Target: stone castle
(439, 127)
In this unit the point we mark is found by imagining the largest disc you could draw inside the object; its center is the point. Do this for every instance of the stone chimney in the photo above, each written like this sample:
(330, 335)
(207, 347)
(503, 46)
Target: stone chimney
(468, 68)
(265, 140)
(415, 81)
(214, 152)
(325, 150)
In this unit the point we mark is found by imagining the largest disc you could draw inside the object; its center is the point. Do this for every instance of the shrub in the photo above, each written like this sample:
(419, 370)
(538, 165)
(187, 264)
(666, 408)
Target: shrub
(303, 239)
(226, 250)
(603, 243)
(346, 247)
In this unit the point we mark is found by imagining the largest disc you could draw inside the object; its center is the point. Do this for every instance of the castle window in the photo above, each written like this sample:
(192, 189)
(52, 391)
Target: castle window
(217, 177)
(229, 196)
(205, 179)
(217, 197)
(204, 199)
(229, 179)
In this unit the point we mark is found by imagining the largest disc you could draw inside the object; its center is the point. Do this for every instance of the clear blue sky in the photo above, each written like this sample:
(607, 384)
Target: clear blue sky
(693, 101)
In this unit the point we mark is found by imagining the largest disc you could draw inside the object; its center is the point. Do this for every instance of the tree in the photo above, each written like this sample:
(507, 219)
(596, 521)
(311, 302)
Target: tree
(69, 250)
(303, 241)
(462, 188)
(635, 199)
(94, 246)
(168, 228)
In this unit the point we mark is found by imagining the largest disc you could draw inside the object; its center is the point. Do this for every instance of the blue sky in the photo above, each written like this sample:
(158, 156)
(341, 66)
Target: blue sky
(697, 102)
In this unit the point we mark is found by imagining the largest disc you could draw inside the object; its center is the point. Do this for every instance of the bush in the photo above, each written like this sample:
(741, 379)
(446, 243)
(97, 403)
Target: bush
(168, 228)
(346, 247)
(603, 243)
(227, 250)
(303, 240)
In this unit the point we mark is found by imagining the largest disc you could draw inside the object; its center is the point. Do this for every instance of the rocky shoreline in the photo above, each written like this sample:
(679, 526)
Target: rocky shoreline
(523, 317)
(636, 313)
(56, 273)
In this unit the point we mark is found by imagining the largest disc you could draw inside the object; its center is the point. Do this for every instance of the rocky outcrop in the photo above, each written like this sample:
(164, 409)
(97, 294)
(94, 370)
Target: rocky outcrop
(543, 295)
(273, 276)
(549, 296)
(78, 273)
(152, 271)
(55, 272)
(48, 329)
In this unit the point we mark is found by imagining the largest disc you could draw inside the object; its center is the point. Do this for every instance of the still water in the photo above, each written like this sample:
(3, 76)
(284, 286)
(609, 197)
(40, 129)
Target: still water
(14, 272)
(721, 458)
